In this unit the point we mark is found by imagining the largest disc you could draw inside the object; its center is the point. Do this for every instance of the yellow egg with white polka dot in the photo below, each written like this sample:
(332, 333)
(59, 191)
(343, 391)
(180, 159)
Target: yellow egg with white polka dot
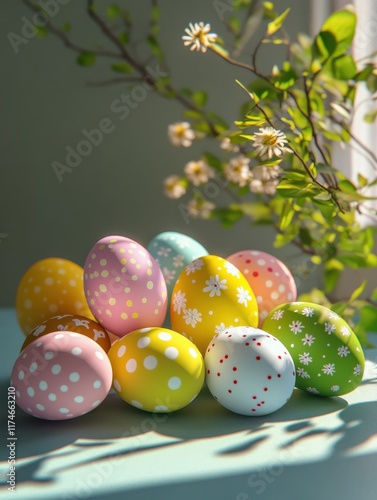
(156, 369)
(210, 296)
(50, 287)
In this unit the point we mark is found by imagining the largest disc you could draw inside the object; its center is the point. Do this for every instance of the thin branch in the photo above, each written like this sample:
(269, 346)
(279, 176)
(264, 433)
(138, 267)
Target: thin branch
(64, 38)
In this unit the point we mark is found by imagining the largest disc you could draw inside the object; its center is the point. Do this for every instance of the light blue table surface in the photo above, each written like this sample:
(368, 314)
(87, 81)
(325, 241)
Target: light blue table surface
(313, 448)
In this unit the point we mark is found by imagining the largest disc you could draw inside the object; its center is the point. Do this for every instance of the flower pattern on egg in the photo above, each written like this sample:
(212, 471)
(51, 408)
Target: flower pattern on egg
(331, 348)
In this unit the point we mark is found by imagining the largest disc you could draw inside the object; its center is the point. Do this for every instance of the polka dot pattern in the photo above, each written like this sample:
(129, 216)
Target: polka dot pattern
(125, 284)
(160, 370)
(50, 286)
(72, 323)
(271, 280)
(249, 371)
(66, 384)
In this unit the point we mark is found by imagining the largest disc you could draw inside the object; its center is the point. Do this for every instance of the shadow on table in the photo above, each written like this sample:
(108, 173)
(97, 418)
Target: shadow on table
(115, 429)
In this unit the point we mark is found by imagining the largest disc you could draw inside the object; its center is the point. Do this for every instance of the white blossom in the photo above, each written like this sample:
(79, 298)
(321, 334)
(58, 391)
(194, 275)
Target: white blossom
(181, 134)
(238, 171)
(198, 172)
(174, 187)
(227, 145)
(198, 36)
(200, 208)
(264, 179)
(270, 142)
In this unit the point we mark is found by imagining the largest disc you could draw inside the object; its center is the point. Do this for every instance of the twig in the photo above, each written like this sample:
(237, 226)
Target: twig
(64, 38)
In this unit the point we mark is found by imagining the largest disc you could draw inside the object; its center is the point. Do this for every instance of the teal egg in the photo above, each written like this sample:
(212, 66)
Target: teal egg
(173, 252)
(327, 354)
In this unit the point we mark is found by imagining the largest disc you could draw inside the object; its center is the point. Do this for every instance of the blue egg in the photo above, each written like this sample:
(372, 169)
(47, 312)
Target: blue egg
(173, 252)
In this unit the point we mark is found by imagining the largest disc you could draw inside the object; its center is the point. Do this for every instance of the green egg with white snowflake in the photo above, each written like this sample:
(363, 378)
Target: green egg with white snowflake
(327, 354)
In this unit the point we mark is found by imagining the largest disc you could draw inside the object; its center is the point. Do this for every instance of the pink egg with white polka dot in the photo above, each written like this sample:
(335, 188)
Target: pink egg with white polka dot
(271, 280)
(249, 371)
(61, 376)
(124, 286)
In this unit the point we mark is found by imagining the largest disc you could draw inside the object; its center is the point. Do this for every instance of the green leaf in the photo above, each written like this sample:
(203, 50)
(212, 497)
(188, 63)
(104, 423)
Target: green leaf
(324, 47)
(155, 47)
(286, 77)
(343, 67)
(212, 160)
(341, 26)
(374, 295)
(368, 316)
(277, 23)
(257, 211)
(370, 117)
(358, 291)
(113, 11)
(331, 278)
(124, 37)
(235, 24)
(41, 31)
(66, 27)
(86, 59)
(227, 217)
(199, 98)
(286, 216)
(122, 67)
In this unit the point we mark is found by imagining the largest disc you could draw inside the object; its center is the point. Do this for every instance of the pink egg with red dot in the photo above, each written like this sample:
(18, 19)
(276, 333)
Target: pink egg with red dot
(124, 286)
(61, 376)
(271, 280)
(249, 371)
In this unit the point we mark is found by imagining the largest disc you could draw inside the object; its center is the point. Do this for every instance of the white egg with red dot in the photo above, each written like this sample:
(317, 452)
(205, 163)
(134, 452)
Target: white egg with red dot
(249, 371)
(63, 375)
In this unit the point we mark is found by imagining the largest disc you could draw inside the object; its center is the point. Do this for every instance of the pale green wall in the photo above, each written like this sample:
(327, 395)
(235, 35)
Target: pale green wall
(118, 188)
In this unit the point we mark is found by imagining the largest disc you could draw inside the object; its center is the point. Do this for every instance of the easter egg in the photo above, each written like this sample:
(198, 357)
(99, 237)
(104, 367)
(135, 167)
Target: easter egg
(124, 286)
(156, 369)
(328, 356)
(270, 279)
(61, 376)
(50, 287)
(249, 371)
(211, 295)
(71, 323)
(173, 251)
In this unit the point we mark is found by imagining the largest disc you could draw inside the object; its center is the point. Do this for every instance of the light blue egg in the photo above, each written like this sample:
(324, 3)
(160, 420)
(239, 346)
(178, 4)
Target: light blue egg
(173, 252)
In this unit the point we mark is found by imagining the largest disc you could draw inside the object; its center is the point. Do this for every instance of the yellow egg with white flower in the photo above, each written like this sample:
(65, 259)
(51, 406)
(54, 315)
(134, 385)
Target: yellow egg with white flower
(210, 296)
